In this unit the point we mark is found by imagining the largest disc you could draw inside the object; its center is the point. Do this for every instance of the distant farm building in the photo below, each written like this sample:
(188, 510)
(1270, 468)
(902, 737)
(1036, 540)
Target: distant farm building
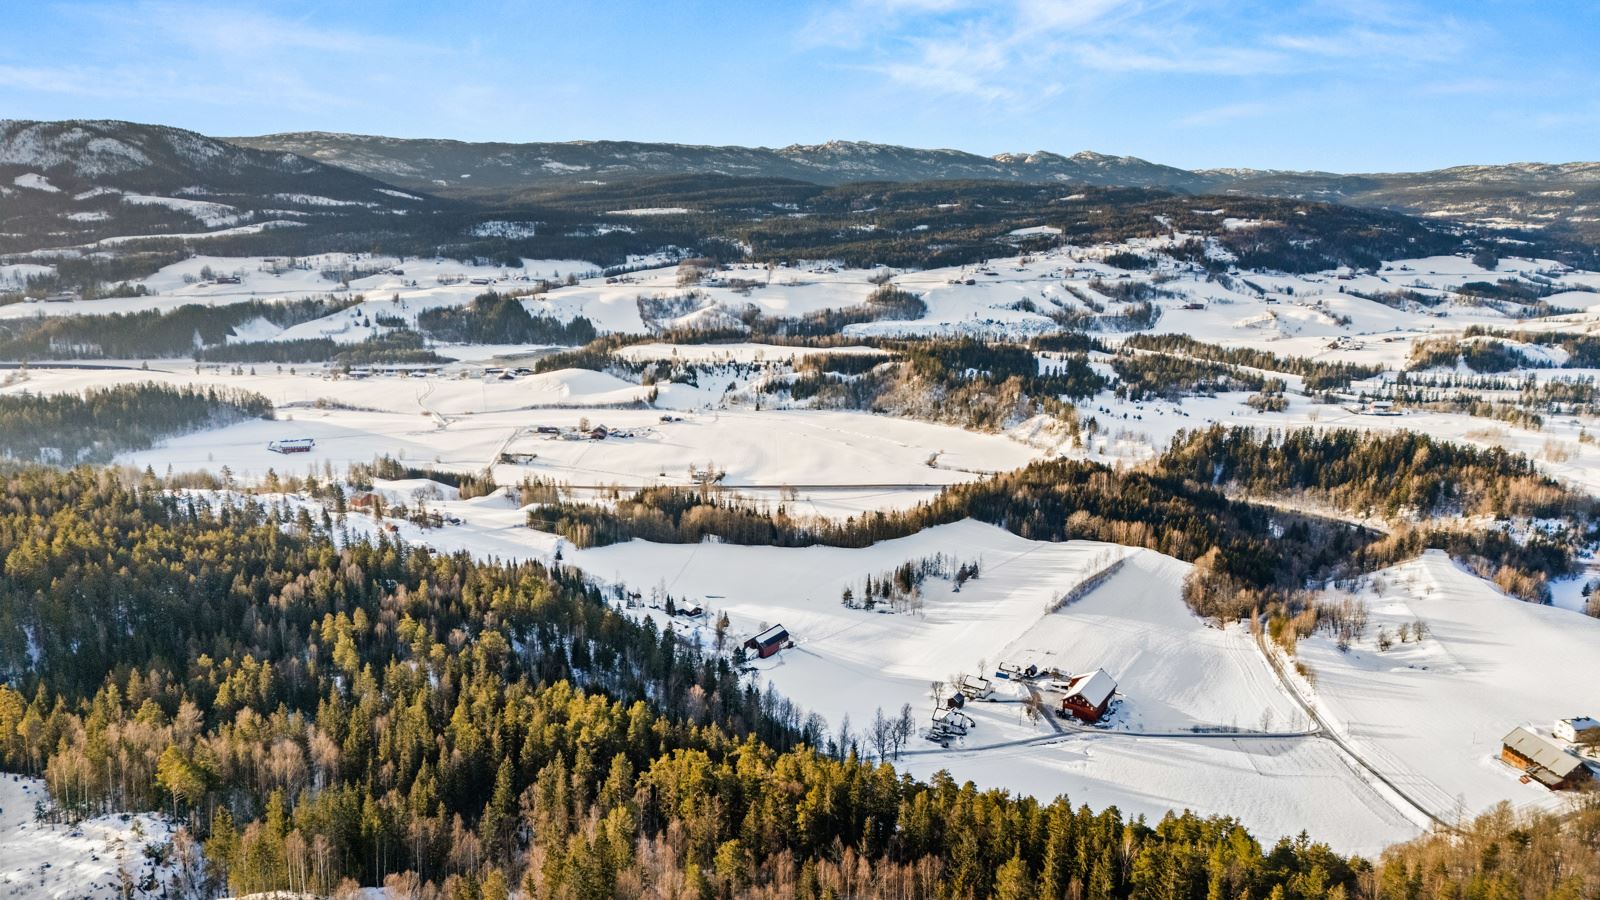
(769, 642)
(1577, 729)
(1089, 696)
(1543, 760)
(292, 445)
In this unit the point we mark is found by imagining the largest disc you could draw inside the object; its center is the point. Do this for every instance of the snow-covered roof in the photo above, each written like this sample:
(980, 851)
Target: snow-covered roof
(1580, 723)
(774, 633)
(1542, 751)
(1095, 688)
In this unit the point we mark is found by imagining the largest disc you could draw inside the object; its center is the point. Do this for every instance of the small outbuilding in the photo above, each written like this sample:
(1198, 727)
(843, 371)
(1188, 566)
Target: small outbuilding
(1089, 695)
(769, 642)
(292, 445)
(1543, 760)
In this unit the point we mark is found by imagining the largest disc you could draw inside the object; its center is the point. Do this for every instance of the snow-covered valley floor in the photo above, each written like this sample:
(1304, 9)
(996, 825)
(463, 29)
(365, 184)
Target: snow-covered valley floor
(1203, 720)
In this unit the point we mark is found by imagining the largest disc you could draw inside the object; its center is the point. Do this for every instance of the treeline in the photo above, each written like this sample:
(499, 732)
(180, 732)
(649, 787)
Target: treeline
(986, 386)
(1144, 376)
(1412, 480)
(1495, 350)
(885, 303)
(398, 346)
(1483, 356)
(98, 424)
(324, 713)
(298, 350)
(95, 275)
(1391, 474)
(1502, 853)
(495, 318)
(152, 334)
(1054, 500)
(1179, 505)
(1318, 375)
(467, 484)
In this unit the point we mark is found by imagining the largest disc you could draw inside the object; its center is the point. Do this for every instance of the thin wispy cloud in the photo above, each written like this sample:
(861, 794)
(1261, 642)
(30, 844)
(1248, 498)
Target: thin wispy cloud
(1376, 83)
(214, 54)
(1012, 49)
(1230, 112)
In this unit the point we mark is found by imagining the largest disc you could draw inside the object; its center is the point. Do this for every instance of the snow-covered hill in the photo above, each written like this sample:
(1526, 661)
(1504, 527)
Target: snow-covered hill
(75, 182)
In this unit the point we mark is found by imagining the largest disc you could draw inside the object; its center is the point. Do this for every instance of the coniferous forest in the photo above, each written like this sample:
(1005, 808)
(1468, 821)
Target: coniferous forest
(98, 424)
(320, 710)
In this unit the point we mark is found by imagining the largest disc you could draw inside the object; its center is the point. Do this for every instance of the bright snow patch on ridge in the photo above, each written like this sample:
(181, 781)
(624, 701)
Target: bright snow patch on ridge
(214, 215)
(35, 182)
(74, 861)
(649, 211)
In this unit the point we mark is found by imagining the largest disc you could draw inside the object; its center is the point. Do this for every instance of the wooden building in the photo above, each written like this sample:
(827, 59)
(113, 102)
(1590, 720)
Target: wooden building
(1089, 695)
(768, 642)
(1543, 760)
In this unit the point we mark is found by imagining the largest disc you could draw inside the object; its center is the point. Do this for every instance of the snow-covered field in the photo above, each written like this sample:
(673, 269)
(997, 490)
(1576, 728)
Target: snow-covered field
(1203, 720)
(1431, 714)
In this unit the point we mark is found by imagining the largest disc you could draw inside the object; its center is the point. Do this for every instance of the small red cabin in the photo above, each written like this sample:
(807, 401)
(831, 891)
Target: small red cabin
(769, 642)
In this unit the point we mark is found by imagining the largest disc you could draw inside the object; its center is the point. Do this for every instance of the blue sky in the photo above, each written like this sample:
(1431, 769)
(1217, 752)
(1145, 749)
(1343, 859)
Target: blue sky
(1343, 85)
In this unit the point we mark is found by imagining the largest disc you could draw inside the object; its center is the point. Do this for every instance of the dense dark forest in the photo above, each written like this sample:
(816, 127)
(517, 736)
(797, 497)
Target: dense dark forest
(320, 710)
(1318, 375)
(152, 334)
(975, 384)
(1403, 473)
(102, 422)
(1495, 350)
(1145, 376)
(396, 346)
(494, 318)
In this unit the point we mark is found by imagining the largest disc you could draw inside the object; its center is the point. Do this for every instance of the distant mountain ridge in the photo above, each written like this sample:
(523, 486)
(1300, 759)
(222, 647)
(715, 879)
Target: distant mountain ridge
(80, 182)
(440, 164)
(75, 184)
(1562, 196)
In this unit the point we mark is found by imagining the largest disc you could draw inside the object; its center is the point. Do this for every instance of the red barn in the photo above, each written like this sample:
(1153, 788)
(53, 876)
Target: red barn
(1088, 696)
(768, 642)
